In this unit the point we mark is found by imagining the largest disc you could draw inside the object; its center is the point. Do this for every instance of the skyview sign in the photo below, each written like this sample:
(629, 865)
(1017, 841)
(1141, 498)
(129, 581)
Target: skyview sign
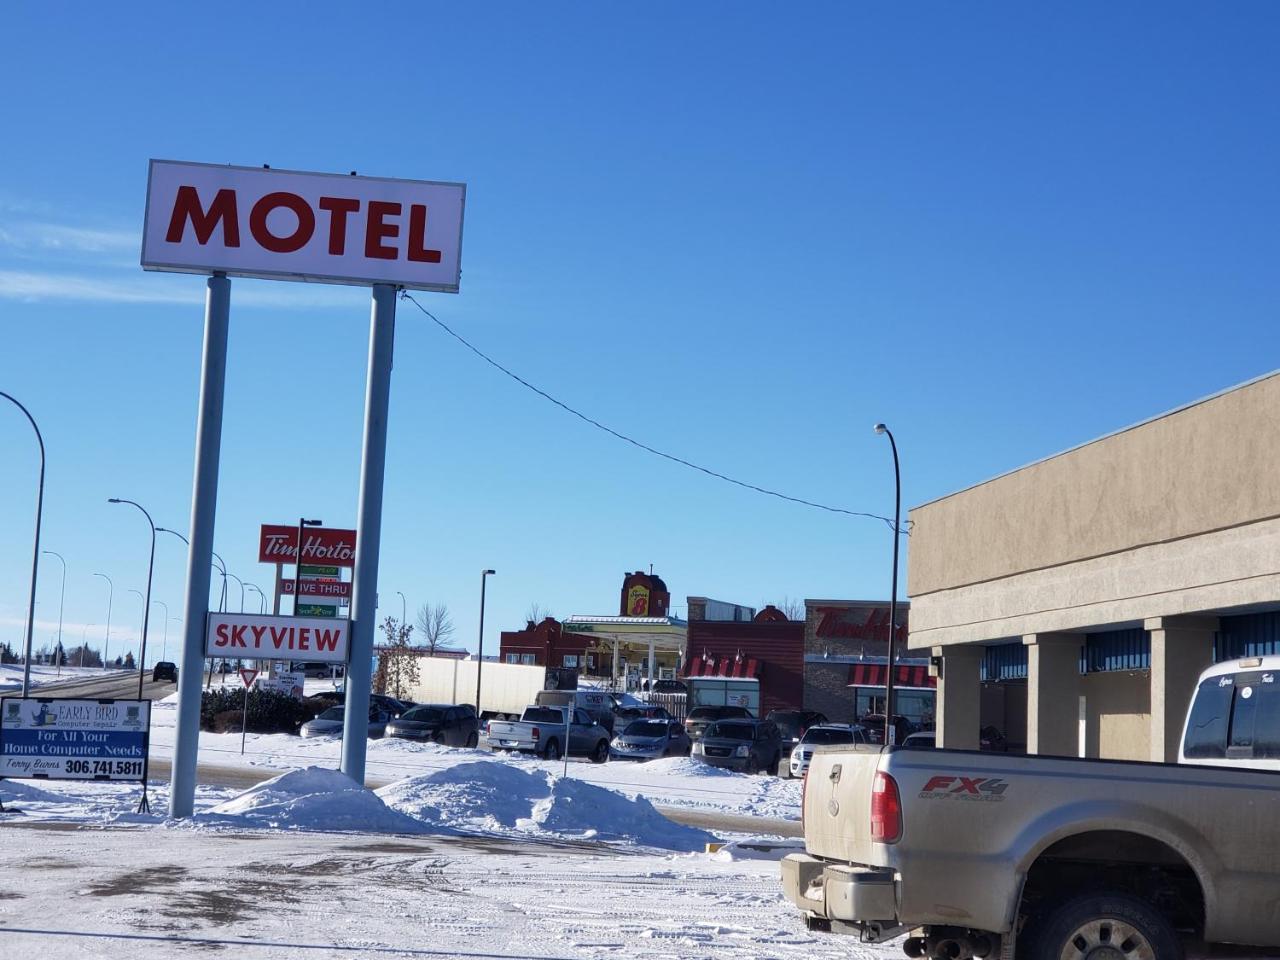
(253, 636)
(286, 225)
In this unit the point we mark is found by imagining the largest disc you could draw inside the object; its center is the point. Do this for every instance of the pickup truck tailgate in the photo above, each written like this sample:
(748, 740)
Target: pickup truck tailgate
(837, 803)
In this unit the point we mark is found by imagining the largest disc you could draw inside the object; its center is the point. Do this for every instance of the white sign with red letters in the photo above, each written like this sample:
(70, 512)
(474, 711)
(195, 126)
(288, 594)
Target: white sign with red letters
(285, 225)
(266, 637)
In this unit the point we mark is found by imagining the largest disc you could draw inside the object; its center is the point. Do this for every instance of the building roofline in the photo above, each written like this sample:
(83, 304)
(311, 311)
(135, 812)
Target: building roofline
(1106, 436)
(855, 603)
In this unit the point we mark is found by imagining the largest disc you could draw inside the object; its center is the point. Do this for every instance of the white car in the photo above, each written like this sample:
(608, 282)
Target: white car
(330, 723)
(820, 736)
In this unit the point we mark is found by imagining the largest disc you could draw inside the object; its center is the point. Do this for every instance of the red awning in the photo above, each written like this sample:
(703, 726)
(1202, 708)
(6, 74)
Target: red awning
(872, 675)
(727, 667)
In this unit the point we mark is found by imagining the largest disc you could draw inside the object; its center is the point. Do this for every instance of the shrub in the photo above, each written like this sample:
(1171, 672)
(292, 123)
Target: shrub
(269, 711)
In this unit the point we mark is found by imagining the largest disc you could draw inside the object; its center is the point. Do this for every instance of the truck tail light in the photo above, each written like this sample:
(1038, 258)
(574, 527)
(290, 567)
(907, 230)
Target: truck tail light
(536, 733)
(886, 809)
(804, 790)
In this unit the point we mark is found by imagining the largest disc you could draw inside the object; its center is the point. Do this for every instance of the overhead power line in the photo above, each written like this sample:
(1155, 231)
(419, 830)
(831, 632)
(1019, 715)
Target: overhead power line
(631, 440)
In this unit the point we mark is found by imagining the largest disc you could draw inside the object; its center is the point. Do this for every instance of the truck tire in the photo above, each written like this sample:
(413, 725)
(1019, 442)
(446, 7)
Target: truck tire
(601, 753)
(473, 741)
(553, 750)
(1103, 926)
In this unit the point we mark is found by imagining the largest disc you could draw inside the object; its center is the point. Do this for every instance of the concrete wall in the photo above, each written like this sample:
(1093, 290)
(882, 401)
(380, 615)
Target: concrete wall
(1118, 715)
(1177, 515)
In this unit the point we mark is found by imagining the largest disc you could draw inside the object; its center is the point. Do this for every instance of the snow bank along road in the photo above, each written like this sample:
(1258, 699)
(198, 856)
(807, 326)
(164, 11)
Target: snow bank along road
(143, 893)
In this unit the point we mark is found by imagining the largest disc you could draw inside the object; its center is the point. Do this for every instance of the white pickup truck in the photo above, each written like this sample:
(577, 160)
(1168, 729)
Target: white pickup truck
(544, 731)
(1055, 858)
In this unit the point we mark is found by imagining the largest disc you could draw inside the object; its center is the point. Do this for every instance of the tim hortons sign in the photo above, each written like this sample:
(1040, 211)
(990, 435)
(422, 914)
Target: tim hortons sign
(285, 225)
(321, 545)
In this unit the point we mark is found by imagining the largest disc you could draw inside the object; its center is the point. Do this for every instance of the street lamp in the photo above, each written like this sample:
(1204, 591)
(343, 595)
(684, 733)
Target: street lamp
(484, 574)
(241, 582)
(165, 644)
(297, 569)
(262, 597)
(221, 568)
(403, 612)
(893, 592)
(35, 549)
(83, 643)
(138, 594)
(146, 605)
(106, 643)
(62, 599)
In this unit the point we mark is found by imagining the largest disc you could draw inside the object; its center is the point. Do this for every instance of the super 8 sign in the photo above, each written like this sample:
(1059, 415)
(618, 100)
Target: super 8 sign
(285, 225)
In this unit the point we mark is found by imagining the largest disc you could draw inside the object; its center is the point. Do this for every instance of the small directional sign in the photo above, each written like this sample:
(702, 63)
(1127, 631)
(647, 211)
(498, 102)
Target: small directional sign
(248, 676)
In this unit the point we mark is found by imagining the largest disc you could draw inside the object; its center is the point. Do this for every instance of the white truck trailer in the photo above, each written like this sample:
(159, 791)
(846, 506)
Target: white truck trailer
(505, 688)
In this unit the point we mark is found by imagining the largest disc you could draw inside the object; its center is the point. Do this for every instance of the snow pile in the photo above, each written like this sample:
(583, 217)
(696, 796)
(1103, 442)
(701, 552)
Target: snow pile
(10, 790)
(310, 799)
(484, 796)
(583, 810)
(686, 767)
(500, 798)
(758, 848)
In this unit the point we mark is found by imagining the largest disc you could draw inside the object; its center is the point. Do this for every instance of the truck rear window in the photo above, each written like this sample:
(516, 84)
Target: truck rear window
(1236, 716)
(542, 715)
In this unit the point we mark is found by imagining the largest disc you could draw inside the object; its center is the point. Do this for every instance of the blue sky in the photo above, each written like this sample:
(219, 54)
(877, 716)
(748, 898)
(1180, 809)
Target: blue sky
(743, 233)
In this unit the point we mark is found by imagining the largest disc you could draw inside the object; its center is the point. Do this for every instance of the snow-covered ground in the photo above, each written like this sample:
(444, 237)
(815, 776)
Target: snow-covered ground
(41, 674)
(677, 781)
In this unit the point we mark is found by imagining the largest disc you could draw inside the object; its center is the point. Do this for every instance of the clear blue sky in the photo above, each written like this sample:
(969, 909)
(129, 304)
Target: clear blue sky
(741, 232)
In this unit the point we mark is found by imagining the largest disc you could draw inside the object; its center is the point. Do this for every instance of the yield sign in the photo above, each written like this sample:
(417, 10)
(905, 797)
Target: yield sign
(248, 676)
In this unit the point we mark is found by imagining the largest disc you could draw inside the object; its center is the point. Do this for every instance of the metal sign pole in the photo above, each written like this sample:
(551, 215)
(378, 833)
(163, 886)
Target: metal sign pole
(364, 600)
(204, 502)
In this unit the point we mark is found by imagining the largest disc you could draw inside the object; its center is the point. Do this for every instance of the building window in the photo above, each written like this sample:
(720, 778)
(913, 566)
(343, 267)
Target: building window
(528, 658)
(513, 658)
(570, 660)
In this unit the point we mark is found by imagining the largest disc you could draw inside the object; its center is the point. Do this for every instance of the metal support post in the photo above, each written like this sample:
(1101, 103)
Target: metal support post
(364, 600)
(204, 502)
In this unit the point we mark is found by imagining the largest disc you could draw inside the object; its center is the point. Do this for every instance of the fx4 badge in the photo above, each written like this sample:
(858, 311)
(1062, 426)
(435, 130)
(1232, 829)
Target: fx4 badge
(990, 789)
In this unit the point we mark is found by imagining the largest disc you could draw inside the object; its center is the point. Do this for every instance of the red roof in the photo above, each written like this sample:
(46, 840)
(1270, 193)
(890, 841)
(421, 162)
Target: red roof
(727, 667)
(872, 675)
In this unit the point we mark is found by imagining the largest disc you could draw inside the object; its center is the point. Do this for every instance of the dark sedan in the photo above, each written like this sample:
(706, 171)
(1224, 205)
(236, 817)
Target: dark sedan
(438, 723)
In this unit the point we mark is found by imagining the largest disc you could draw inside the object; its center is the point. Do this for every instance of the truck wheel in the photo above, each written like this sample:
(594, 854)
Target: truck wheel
(1107, 926)
(473, 741)
(753, 766)
(553, 750)
(601, 752)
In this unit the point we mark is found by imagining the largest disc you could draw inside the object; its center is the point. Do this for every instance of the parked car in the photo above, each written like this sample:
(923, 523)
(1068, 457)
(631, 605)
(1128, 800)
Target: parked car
(624, 715)
(453, 726)
(747, 745)
(793, 723)
(380, 700)
(164, 670)
(921, 740)
(874, 722)
(667, 686)
(649, 739)
(699, 718)
(823, 735)
(330, 723)
(1047, 857)
(989, 738)
(541, 731)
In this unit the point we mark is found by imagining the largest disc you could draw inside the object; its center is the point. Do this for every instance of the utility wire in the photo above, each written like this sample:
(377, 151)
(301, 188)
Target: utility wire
(405, 295)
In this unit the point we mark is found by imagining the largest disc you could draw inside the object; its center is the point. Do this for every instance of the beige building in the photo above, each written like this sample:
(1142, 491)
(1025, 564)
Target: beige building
(1073, 602)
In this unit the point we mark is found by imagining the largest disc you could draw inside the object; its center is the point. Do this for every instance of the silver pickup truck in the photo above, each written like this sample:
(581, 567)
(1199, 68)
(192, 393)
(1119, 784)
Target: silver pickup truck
(542, 731)
(1052, 858)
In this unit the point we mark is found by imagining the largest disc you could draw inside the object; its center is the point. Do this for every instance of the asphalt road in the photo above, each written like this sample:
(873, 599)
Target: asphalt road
(125, 686)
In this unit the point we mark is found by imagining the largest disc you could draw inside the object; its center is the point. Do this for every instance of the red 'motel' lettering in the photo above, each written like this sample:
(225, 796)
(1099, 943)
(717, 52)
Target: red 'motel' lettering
(186, 206)
(377, 229)
(268, 240)
(338, 208)
(418, 236)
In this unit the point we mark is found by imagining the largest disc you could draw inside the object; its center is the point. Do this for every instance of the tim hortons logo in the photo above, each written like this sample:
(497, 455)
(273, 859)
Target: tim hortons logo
(964, 788)
(875, 627)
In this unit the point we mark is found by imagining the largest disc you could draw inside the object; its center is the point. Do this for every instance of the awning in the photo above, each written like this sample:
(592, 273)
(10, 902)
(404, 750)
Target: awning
(905, 677)
(727, 667)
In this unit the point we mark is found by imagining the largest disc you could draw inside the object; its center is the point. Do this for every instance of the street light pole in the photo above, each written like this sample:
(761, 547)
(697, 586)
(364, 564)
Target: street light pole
(138, 594)
(893, 591)
(146, 608)
(262, 597)
(165, 642)
(35, 549)
(241, 582)
(62, 599)
(106, 644)
(403, 611)
(480, 653)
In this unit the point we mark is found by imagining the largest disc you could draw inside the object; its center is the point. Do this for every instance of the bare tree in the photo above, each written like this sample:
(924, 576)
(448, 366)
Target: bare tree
(537, 613)
(794, 609)
(435, 627)
(397, 661)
